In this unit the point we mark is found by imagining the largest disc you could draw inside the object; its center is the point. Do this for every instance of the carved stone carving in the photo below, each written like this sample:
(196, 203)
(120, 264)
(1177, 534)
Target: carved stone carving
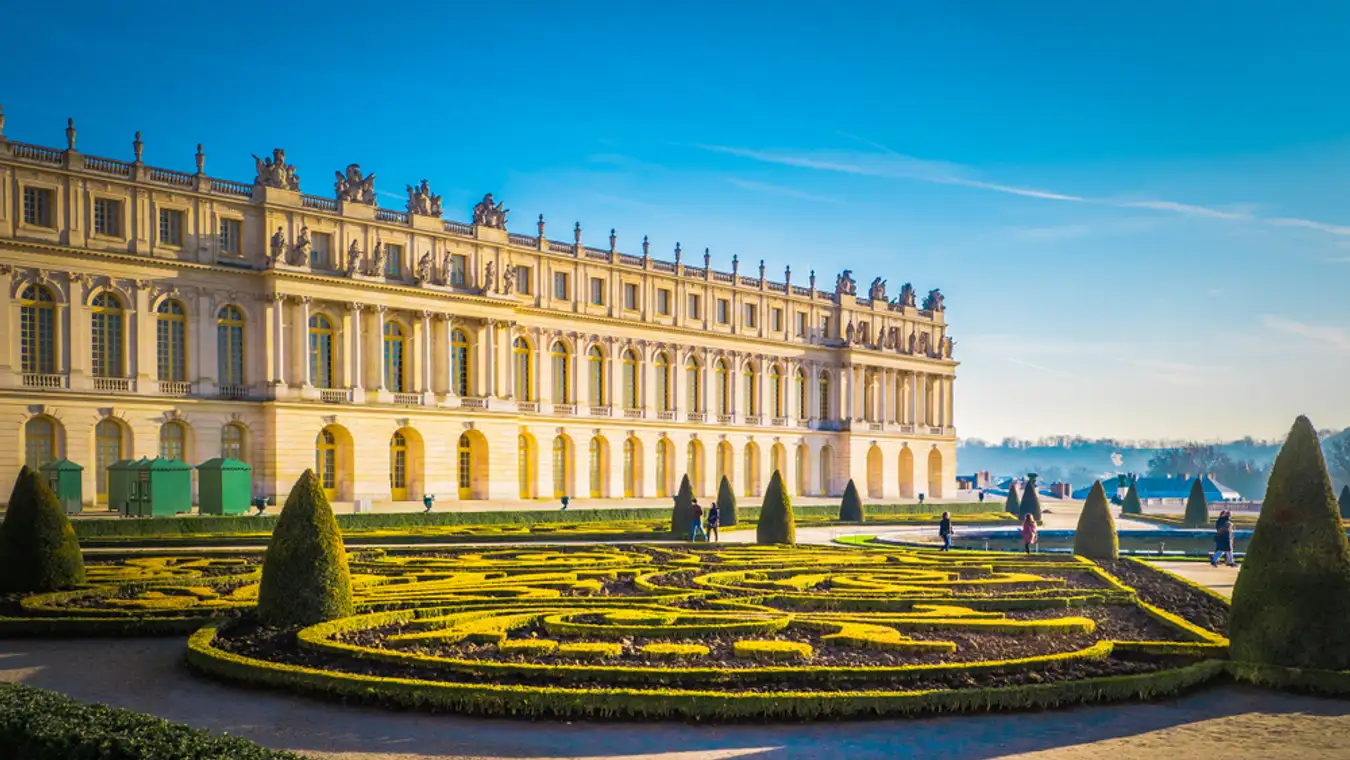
(850, 333)
(906, 296)
(275, 172)
(949, 344)
(352, 187)
(278, 246)
(353, 259)
(488, 215)
(878, 290)
(934, 301)
(303, 247)
(913, 343)
(923, 344)
(422, 201)
(509, 280)
(490, 277)
(424, 269)
(844, 284)
(377, 260)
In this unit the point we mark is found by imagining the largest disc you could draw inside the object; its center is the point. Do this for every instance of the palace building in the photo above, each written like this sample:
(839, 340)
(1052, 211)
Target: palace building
(151, 312)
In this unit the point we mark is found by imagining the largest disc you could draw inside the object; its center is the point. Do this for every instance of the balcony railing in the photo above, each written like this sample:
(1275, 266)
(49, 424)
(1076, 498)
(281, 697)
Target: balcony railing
(408, 399)
(907, 429)
(527, 406)
(876, 427)
(232, 391)
(392, 215)
(565, 410)
(335, 395)
(112, 384)
(724, 419)
(33, 380)
(38, 153)
(665, 416)
(601, 411)
(696, 416)
(174, 388)
(779, 422)
(934, 430)
(633, 414)
(804, 423)
(459, 228)
(472, 403)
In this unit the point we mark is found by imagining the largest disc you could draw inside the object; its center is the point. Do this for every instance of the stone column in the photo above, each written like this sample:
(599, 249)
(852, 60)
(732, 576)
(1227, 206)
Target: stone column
(543, 362)
(207, 350)
(301, 329)
(883, 392)
(675, 385)
(144, 350)
(509, 362)
(765, 407)
(276, 373)
(647, 385)
(74, 320)
(486, 364)
(375, 344)
(916, 405)
(447, 338)
(424, 344)
(846, 375)
(354, 377)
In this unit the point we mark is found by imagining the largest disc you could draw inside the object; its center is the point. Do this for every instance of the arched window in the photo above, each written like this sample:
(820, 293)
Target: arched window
(824, 395)
(107, 451)
(395, 353)
(106, 335)
(663, 383)
(459, 363)
(775, 391)
(398, 467)
(172, 441)
(562, 374)
(694, 375)
(725, 467)
(722, 387)
(597, 467)
(630, 465)
(663, 455)
(320, 351)
(826, 469)
(522, 355)
(803, 461)
(803, 398)
(325, 461)
(631, 396)
(465, 450)
(751, 391)
(171, 341)
(232, 442)
(230, 345)
(524, 466)
(561, 464)
(750, 470)
(39, 436)
(37, 328)
(596, 360)
(869, 395)
(694, 468)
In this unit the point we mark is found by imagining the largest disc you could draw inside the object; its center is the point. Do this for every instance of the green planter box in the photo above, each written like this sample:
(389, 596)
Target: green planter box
(224, 486)
(163, 488)
(122, 485)
(66, 481)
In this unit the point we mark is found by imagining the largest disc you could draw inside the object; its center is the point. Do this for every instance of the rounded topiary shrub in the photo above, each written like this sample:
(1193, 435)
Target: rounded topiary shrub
(726, 502)
(1291, 602)
(1031, 502)
(1132, 505)
(682, 518)
(305, 579)
(1096, 536)
(851, 508)
(1013, 505)
(776, 523)
(38, 548)
(1197, 508)
(1345, 502)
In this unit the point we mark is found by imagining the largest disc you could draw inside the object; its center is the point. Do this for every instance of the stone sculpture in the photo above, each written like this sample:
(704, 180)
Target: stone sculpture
(907, 296)
(424, 269)
(303, 247)
(490, 277)
(844, 284)
(353, 187)
(878, 290)
(934, 301)
(422, 201)
(278, 246)
(353, 259)
(377, 260)
(275, 172)
(489, 215)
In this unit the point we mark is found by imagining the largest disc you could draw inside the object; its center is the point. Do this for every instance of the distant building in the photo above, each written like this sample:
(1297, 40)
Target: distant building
(1177, 488)
(980, 481)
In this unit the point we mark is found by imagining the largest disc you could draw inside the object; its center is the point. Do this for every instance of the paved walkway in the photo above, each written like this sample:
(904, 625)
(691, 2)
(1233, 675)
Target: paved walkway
(147, 675)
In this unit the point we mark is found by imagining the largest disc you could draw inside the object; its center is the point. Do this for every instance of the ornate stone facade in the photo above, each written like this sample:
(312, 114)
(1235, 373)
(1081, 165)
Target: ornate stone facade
(149, 311)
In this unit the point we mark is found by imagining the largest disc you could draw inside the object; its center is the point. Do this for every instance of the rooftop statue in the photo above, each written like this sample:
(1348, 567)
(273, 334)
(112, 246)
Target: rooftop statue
(353, 187)
(844, 284)
(422, 201)
(906, 296)
(934, 301)
(489, 215)
(275, 172)
(878, 290)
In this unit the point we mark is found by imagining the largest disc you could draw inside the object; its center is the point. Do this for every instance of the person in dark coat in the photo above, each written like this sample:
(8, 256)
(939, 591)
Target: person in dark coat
(945, 531)
(1029, 532)
(696, 529)
(714, 520)
(1223, 540)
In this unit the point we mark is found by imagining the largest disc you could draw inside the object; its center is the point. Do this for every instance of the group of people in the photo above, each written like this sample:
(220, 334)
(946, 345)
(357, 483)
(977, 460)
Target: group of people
(1223, 540)
(712, 520)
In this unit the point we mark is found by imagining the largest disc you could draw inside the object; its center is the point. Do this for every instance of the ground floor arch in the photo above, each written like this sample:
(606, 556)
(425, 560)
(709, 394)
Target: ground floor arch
(333, 463)
(407, 460)
(472, 465)
(778, 461)
(905, 471)
(665, 468)
(694, 466)
(598, 467)
(750, 472)
(803, 469)
(527, 466)
(935, 474)
(44, 440)
(112, 444)
(874, 472)
(826, 470)
(632, 467)
(726, 467)
(563, 482)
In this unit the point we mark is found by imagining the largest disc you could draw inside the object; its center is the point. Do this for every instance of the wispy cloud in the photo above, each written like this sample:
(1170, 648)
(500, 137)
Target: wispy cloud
(1337, 338)
(887, 163)
(1047, 234)
(789, 192)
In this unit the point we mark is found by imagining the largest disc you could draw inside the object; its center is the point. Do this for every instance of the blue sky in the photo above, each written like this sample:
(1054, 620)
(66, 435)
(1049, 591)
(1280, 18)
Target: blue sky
(1138, 211)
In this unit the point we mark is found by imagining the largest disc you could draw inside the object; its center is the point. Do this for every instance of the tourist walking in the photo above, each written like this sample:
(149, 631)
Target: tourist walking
(714, 520)
(982, 496)
(1029, 533)
(427, 501)
(1223, 540)
(696, 530)
(945, 531)
(565, 500)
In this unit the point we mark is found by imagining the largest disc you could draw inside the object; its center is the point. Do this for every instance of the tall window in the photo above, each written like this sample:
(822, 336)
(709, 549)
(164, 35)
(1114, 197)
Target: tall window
(106, 338)
(522, 356)
(723, 311)
(803, 407)
(465, 466)
(824, 395)
(596, 361)
(597, 465)
(107, 451)
(694, 468)
(562, 286)
(320, 351)
(171, 341)
(107, 217)
(631, 396)
(321, 255)
(663, 382)
(722, 387)
(37, 330)
(230, 235)
(230, 345)
(630, 464)
(560, 463)
(393, 261)
(597, 291)
(459, 362)
(662, 467)
(170, 226)
(39, 442)
(232, 442)
(398, 467)
(630, 296)
(524, 476)
(172, 441)
(395, 351)
(751, 391)
(325, 461)
(663, 302)
(524, 280)
(775, 391)
(562, 366)
(38, 203)
(695, 306)
(459, 267)
(694, 377)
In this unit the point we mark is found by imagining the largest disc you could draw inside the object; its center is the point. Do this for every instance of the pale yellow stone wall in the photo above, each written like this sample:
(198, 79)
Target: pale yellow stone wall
(882, 396)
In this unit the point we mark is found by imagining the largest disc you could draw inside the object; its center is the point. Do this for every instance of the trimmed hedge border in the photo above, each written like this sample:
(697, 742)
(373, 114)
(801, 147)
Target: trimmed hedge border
(538, 701)
(1323, 682)
(36, 724)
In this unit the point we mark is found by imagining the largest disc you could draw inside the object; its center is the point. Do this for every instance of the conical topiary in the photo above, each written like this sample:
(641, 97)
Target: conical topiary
(1013, 505)
(1132, 505)
(1031, 502)
(38, 548)
(851, 508)
(1197, 509)
(776, 524)
(305, 579)
(1096, 536)
(1345, 502)
(682, 518)
(726, 502)
(1291, 602)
